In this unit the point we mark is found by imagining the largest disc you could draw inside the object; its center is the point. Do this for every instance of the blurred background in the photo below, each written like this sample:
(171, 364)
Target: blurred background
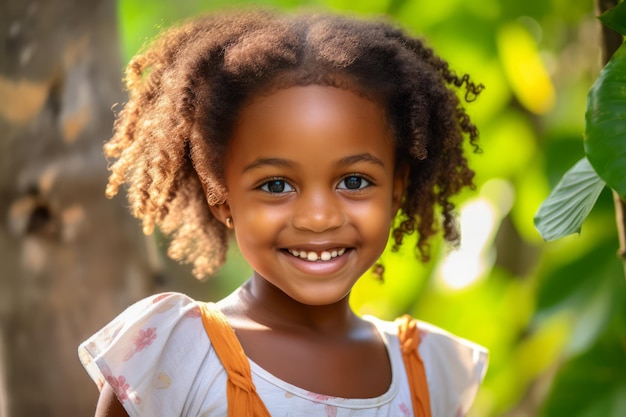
(552, 314)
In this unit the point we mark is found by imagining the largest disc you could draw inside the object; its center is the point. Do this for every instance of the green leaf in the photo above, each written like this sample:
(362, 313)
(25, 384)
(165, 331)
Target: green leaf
(615, 18)
(592, 384)
(569, 204)
(605, 123)
(569, 285)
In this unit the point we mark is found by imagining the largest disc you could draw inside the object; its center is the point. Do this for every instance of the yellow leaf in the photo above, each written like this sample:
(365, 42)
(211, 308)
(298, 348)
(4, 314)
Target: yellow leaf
(525, 69)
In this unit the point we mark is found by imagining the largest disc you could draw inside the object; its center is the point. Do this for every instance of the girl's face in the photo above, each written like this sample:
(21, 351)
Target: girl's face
(311, 189)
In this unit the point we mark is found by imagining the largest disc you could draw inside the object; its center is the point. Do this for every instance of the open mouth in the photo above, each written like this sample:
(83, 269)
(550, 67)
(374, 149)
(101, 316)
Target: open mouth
(313, 256)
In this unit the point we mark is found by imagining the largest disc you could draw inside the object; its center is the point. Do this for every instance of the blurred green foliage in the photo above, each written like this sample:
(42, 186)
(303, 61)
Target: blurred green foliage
(553, 315)
(604, 164)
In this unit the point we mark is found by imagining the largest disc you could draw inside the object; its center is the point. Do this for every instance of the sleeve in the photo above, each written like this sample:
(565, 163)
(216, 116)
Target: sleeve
(455, 369)
(150, 355)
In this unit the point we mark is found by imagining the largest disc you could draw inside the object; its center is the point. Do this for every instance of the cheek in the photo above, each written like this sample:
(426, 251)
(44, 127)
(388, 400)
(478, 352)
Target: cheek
(258, 214)
(260, 223)
(379, 207)
(374, 222)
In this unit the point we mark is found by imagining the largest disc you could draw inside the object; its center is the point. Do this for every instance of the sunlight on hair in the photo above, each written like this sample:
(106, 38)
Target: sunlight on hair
(480, 219)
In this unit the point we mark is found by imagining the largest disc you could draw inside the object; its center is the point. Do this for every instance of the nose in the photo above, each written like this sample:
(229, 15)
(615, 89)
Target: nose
(318, 211)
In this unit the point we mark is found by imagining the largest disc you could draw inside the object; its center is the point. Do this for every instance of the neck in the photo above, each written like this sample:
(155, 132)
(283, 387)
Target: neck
(268, 305)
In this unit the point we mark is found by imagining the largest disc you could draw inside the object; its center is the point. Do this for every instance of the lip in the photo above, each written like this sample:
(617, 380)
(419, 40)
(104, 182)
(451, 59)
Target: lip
(318, 267)
(317, 246)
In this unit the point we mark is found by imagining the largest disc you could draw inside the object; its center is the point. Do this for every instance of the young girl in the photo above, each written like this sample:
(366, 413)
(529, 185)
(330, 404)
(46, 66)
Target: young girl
(309, 138)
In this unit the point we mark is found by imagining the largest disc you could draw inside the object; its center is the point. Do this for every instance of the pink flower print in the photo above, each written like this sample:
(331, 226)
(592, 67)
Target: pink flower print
(143, 339)
(160, 297)
(331, 410)
(406, 412)
(120, 387)
(193, 313)
(318, 397)
(164, 302)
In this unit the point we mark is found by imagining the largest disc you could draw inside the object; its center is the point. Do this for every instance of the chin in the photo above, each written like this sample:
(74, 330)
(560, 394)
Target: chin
(320, 298)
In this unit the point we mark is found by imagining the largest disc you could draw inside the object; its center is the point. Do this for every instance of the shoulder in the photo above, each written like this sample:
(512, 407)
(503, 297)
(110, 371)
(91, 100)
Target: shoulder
(455, 367)
(141, 325)
(157, 345)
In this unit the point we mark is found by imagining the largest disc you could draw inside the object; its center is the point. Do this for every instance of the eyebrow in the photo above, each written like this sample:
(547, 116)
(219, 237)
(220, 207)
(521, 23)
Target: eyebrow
(279, 162)
(362, 157)
(260, 162)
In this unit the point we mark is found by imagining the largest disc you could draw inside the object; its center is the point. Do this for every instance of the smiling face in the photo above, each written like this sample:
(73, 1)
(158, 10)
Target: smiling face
(311, 189)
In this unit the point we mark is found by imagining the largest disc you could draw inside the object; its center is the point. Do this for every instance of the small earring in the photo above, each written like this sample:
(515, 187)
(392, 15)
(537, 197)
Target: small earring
(229, 223)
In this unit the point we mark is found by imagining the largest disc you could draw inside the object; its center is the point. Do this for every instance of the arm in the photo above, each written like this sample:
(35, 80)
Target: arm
(109, 405)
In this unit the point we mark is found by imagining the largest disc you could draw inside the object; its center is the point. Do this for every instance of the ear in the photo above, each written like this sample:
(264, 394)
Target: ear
(400, 181)
(221, 212)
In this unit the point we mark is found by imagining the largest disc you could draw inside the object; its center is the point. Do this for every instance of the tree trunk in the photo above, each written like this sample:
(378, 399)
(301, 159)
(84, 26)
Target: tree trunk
(70, 260)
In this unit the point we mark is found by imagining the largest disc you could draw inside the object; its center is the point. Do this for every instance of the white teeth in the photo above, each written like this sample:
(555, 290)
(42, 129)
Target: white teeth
(315, 256)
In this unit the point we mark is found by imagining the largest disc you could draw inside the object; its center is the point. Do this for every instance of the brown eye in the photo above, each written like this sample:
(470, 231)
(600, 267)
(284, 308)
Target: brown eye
(276, 187)
(353, 182)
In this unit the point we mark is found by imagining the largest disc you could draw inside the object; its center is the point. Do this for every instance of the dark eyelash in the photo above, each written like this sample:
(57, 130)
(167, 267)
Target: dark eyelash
(270, 179)
(357, 174)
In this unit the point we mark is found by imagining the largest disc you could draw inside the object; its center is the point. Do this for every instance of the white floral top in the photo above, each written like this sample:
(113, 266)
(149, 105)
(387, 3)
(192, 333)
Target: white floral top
(160, 362)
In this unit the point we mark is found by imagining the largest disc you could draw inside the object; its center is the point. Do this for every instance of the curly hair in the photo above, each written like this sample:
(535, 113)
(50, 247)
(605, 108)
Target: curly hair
(188, 86)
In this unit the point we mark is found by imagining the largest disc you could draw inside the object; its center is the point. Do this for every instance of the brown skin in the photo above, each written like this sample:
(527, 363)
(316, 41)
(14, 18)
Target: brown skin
(109, 405)
(308, 169)
(331, 160)
(188, 87)
(311, 144)
(326, 350)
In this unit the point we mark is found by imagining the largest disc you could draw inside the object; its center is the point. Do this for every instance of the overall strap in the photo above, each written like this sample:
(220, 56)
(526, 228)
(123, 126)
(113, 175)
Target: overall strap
(243, 399)
(408, 334)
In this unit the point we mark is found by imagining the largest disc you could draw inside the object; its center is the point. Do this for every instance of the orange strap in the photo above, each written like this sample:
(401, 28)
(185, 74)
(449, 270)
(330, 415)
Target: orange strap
(243, 399)
(409, 341)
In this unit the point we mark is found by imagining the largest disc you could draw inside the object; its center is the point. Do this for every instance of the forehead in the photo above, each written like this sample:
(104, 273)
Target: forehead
(311, 117)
